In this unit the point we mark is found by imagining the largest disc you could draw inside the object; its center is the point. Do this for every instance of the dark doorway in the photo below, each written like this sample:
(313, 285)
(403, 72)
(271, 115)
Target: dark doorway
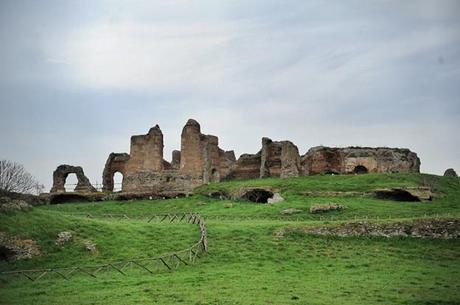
(360, 169)
(258, 195)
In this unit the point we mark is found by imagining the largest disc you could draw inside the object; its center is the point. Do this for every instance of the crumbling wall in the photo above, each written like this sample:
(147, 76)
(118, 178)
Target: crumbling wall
(201, 157)
(290, 160)
(322, 160)
(200, 160)
(211, 158)
(146, 152)
(227, 163)
(270, 164)
(326, 160)
(167, 181)
(247, 167)
(146, 156)
(60, 176)
(279, 159)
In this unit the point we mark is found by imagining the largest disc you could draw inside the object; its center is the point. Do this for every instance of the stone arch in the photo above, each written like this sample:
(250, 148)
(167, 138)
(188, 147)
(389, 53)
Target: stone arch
(360, 169)
(215, 175)
(117, 181)
(60, 176)
(70, 182)
(258, 195)
(116, 162)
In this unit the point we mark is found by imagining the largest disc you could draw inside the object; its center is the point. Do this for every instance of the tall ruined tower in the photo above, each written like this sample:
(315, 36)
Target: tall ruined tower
(191, 161)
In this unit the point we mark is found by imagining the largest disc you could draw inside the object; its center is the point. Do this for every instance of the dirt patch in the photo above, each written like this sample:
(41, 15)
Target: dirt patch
(13, 248)
(323, 208)
(409, 194)
(10, 205)
(427, 228)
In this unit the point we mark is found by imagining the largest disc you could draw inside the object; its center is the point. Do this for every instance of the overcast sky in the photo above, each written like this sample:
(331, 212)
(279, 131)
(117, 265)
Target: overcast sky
(78, 78)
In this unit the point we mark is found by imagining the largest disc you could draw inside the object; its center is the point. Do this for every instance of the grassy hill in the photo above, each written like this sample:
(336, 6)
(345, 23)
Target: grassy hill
(248, 262)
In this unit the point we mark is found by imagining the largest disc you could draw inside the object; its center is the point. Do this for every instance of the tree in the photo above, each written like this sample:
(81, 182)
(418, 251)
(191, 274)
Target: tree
(14, 178)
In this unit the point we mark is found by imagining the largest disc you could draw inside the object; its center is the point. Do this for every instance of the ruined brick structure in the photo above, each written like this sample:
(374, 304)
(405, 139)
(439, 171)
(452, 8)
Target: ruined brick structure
(349, 160)
(200, 161)
(60, 176)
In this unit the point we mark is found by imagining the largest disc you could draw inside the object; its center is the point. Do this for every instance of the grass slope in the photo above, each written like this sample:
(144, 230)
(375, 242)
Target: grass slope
(247, 263)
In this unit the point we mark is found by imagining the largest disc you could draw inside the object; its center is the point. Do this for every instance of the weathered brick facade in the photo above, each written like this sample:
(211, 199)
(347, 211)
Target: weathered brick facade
(200, 161)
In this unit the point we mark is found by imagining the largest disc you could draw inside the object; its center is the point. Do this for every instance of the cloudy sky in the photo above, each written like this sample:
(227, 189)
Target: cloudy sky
(78, 78)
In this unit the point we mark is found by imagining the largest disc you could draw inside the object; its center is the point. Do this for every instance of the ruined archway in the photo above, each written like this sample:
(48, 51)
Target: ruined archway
(360, 169)
(257, 195)
(115, 163)
(60, 176)
(117, 181)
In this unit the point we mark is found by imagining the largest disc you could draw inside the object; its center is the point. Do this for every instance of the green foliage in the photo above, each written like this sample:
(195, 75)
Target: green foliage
(248, 263)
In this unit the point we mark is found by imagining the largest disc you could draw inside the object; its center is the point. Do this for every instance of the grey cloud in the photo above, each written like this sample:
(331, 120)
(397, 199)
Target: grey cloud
(315, 72)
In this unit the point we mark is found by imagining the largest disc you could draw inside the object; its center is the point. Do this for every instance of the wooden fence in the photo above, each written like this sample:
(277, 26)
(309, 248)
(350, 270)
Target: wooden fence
(167, 261)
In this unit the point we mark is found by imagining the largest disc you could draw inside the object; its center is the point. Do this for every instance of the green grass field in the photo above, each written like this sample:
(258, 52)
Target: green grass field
(247, 263)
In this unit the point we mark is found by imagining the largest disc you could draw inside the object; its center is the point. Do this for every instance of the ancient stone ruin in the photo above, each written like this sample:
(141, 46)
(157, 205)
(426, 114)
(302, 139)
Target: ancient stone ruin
(201, 161)
(60, 176)
(357, 160)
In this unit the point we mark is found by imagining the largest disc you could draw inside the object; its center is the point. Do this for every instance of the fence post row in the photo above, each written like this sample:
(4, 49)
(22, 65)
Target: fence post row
(169, 261)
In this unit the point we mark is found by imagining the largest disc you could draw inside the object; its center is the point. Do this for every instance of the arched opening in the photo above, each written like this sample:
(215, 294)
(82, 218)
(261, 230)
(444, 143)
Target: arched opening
(215, 176)
(396, 194)
(360, 169)
(70, 182)
(258, 195)
(117, 181)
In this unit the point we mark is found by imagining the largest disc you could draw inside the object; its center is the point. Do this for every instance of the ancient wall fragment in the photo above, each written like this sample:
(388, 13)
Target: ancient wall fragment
(227, 163)
(270, 164)
(60, 176)
(279, 159)
(327, 160)
(247, 167)
(322, 160)
(211, 160)
(290, 160)
(146, 156)
(146, 152)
